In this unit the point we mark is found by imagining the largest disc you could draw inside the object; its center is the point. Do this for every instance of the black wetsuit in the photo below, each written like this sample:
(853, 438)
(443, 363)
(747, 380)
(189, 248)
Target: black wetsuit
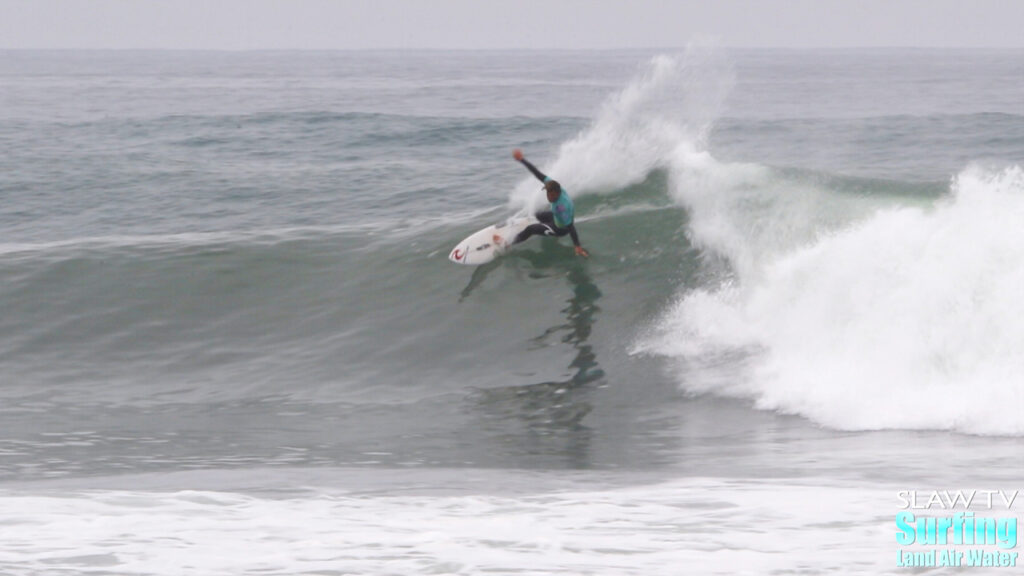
(548, 226)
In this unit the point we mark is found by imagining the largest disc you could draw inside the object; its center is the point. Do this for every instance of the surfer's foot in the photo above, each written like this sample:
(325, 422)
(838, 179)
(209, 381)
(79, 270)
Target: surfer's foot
(498, 241)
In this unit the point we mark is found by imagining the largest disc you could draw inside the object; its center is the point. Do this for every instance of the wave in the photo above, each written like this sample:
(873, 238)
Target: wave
(903, 317)
(861, 303)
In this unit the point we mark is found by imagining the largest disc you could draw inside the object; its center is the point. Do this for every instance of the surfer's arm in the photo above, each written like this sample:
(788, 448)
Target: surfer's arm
(580, 251)
(572, 234)
(533, 169)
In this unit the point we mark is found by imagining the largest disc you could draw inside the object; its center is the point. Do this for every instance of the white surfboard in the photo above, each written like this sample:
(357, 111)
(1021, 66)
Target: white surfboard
(481, 247)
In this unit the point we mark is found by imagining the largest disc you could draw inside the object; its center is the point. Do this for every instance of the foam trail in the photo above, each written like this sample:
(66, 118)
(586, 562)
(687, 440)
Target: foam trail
(907, 319)
(671, 103)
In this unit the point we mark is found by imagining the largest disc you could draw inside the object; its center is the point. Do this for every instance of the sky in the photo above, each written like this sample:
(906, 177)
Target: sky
(506, 24)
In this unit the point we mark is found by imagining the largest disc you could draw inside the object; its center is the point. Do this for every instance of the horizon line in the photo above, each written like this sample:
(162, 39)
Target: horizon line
(512, 49)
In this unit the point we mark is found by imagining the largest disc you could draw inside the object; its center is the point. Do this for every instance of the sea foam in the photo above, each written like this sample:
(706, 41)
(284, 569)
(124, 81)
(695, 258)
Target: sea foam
(694, 526)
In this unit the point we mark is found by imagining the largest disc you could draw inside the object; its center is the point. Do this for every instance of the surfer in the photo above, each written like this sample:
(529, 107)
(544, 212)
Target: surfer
(558, 221)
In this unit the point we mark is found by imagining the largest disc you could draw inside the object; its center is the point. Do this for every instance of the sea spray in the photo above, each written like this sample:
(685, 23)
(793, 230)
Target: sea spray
(672, 102)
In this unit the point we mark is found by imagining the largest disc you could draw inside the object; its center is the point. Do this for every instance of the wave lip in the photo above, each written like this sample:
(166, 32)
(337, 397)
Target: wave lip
(908, 319)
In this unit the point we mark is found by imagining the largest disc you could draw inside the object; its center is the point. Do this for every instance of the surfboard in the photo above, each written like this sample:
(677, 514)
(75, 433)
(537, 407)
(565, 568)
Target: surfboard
(480, 247)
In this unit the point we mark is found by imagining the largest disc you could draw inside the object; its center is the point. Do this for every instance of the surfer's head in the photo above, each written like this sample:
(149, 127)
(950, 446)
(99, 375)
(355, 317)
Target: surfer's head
(554, 190)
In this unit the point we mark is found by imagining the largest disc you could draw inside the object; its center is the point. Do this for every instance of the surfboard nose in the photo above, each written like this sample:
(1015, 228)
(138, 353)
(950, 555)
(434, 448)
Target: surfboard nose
(459, 254)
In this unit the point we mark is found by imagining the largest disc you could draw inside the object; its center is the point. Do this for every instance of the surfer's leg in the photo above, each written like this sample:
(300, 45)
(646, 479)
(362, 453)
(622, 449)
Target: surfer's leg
(548, 219)
(533, 230)
(545, 228)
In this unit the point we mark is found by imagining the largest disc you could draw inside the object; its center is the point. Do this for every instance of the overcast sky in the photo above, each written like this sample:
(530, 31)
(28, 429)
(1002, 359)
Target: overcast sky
(488, 24)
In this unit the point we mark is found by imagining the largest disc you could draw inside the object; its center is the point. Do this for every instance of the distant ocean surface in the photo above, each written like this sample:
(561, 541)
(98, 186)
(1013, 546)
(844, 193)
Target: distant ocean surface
(232, 343)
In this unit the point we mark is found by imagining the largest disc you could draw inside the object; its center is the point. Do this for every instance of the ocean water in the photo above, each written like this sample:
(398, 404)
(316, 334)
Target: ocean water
(232, 342)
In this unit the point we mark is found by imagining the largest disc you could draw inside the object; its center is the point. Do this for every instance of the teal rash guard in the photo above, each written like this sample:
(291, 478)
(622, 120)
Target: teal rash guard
(562, 209)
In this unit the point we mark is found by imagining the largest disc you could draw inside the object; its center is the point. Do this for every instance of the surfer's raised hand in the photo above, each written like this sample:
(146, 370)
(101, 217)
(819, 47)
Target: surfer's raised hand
(581, 252)
(517, 154)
